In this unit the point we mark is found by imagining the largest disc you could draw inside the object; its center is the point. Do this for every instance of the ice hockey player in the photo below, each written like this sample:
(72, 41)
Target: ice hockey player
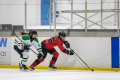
(29, 39)
(48, 47)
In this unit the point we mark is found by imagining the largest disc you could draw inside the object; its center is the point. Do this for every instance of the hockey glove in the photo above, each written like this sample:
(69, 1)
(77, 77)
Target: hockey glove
(67, 44)
(70, 52)
(26, 47)
(40, 56)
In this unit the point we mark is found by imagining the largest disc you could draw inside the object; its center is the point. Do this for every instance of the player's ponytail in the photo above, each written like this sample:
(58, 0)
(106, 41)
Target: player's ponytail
(56, 36)
(23, 33)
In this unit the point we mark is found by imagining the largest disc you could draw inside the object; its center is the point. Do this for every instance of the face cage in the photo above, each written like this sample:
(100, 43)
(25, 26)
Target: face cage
(61, 38)
(32, 34)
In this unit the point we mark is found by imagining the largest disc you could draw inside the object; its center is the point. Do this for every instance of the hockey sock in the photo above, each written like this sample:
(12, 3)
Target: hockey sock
(55, 56)
(24, 61)
(37, 61)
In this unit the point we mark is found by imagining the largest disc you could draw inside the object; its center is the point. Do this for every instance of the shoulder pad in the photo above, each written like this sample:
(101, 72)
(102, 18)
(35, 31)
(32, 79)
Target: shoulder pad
(25, 37)
(36, 40)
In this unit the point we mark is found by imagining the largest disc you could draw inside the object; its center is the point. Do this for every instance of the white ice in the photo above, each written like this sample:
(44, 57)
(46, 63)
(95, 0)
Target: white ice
(16, 74)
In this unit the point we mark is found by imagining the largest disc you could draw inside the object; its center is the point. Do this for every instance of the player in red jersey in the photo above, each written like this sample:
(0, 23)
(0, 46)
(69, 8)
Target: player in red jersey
(48, 47)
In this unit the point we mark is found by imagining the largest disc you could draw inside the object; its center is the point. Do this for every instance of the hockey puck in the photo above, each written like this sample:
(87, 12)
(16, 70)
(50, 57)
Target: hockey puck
(92, 70)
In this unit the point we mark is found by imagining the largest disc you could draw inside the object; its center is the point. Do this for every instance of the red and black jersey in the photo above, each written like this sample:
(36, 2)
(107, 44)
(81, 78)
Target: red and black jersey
(52, 42)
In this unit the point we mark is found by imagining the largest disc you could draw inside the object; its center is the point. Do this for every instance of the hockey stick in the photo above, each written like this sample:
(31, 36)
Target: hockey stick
(22, 41)
(83, 61)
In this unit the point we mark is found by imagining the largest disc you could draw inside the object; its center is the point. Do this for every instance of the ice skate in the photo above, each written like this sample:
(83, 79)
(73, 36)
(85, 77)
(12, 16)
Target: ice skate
(52, 67)
(31, 68)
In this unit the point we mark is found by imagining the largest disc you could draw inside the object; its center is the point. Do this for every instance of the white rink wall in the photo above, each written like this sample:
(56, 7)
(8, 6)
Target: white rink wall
(16, 12)
(95, 51)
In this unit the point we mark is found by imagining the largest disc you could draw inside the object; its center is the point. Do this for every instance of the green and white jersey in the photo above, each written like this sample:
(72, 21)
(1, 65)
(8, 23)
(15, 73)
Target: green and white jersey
(26, 40)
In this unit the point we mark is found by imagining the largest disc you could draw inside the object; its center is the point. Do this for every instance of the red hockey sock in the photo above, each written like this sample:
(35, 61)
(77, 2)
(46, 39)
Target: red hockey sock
(37, 61)
(52, 62)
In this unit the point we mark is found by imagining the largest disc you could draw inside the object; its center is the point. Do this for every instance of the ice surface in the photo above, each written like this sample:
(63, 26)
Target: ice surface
(16, 74)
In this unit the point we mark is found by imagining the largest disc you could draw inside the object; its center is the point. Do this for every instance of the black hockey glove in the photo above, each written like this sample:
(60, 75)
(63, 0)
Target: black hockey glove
(70, 52)
(67, 44)
(40, 56)
(26, 47)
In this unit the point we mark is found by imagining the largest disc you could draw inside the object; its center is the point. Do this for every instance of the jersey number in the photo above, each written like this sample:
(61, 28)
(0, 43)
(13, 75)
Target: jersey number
(51, 40)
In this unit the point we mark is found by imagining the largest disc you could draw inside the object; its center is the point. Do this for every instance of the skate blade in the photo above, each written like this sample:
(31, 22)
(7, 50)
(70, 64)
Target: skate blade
(25, 70)
(51, 69)
(30, 69)
(20, 68)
